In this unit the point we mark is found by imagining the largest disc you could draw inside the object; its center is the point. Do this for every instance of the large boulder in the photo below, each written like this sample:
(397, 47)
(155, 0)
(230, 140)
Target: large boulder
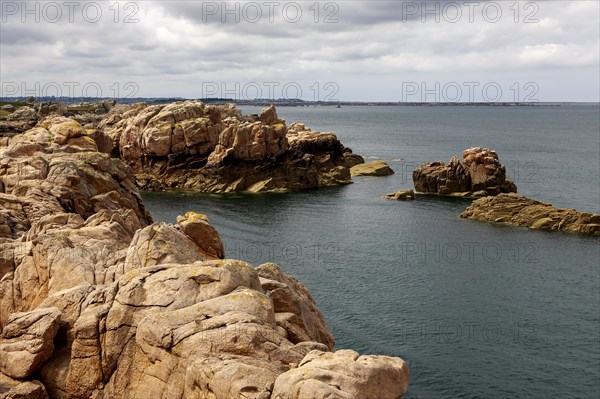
(478, 174)
(343, 374)
(376, 168)
(28, 341)
(521, 211)
(197, 227)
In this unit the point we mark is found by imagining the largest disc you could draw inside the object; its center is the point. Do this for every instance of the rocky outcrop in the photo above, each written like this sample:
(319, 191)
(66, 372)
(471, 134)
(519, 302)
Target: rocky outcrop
(521, 211)
(193, 146)
(376, 168)
(353, 159)
(23, 117)
(478, 174)
(403, 195)
(18, 120)
(98, 301)
(343, 374)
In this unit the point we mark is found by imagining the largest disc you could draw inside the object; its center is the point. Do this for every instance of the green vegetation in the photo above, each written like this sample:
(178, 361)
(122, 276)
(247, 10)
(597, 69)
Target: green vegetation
(16, 104)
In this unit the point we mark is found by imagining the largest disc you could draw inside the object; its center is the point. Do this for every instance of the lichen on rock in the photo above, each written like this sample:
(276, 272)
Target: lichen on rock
(97, 301)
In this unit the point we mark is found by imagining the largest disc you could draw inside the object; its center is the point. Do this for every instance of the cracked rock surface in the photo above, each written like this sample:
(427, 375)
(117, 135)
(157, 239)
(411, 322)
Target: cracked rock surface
(97, 301)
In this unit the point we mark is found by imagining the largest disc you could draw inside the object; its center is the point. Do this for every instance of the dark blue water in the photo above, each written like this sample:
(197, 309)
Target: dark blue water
(478, 310)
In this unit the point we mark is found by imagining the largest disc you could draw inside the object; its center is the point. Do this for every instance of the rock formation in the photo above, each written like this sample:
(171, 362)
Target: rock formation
(24, 116)
(478, 174)
(97, 301)
(376, 168)
(521, 211)
(403, 195)
(193, 146)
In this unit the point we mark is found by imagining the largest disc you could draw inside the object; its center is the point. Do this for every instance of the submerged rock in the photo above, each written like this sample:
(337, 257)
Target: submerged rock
(478, 174)
(403, 195)
(98, 301)
(376, 168)
(521, 211)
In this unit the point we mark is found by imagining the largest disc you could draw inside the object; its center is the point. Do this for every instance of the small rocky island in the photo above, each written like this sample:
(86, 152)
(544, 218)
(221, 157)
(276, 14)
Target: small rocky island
(197, 147)
(97, 301)
(521, 211)
(478, 174)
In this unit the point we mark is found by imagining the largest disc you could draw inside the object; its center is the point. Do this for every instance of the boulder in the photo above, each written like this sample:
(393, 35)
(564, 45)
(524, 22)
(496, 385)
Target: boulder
(198, 228)
(521, 211)
(479, 173)
(353, 159)
(376, 168)
(268, 115)
(44, 109)
(26, 390)
(28, 341)
(343, 374)
(24, 113)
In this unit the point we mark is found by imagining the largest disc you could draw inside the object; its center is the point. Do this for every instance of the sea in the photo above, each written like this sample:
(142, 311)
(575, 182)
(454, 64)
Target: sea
(477, 310)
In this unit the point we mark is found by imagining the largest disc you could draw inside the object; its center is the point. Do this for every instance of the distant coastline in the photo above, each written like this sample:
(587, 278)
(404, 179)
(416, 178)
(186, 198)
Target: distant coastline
(296, 102)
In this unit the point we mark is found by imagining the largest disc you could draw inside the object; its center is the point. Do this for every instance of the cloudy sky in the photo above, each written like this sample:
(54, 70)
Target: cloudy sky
(315, 50)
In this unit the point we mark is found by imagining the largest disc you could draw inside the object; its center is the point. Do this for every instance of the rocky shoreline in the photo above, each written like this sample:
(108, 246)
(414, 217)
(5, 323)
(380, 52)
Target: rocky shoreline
(98, 301)
(192, 146)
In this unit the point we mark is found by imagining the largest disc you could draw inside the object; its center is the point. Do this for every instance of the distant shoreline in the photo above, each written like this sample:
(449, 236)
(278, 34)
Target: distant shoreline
(300, 103)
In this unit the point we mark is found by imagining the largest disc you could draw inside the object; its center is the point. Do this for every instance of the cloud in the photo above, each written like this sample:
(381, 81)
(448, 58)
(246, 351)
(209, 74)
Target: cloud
(367, 48)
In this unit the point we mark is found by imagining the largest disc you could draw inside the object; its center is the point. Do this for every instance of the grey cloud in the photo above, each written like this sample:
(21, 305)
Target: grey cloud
(174, 45)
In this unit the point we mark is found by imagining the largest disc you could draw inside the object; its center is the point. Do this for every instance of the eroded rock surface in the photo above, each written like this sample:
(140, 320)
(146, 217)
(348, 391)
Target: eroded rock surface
(194, 146)
(96, 301)
(521, 211)
(343, 375)
(28, 341)
(478, 174)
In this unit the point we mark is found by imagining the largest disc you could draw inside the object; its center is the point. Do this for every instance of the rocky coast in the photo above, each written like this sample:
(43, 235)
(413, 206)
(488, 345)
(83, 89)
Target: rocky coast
(189, 145)
(207, 148)
(98, 301)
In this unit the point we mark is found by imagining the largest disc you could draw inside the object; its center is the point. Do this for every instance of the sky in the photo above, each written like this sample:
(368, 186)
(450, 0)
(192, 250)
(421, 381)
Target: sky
(446, 51)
